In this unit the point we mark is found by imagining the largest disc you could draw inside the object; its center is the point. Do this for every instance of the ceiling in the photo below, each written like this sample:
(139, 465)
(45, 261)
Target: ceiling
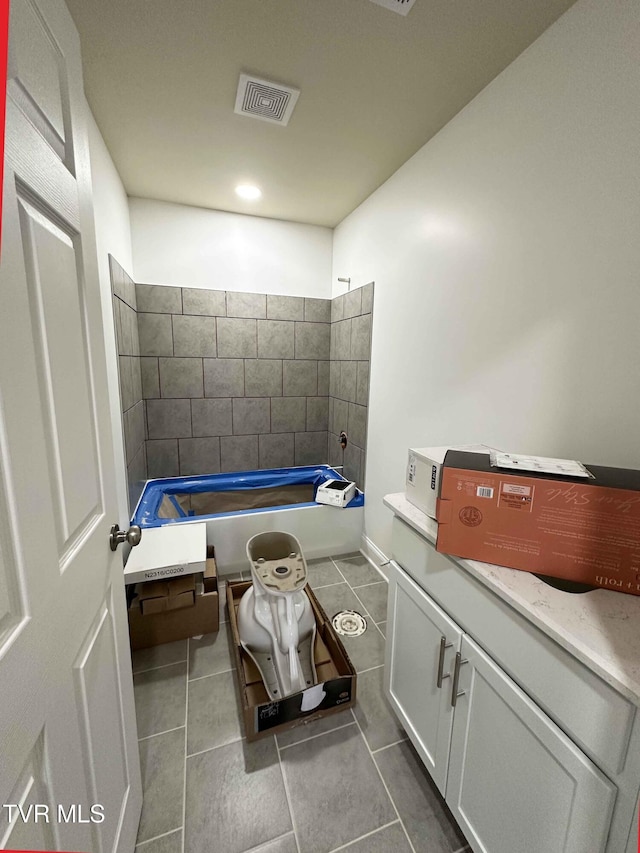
(161, 79)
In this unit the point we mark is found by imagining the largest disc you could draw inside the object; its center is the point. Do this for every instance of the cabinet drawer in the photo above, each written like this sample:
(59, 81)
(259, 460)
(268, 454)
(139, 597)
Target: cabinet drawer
(595, 716)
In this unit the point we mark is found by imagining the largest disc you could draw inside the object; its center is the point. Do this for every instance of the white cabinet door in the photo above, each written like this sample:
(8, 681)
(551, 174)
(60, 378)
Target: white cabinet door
(517, 784)
(421, 645)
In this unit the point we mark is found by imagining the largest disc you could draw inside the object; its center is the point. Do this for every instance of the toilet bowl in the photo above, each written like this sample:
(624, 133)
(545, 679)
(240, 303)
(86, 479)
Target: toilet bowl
(276, 623)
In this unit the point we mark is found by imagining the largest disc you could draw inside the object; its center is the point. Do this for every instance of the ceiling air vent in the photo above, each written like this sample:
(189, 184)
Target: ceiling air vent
(265, 100)
(402, 7)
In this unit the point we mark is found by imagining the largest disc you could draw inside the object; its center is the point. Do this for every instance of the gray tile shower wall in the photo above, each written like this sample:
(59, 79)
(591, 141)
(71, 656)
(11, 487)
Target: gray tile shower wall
(123, 293)
(351, 316)
(233, 381)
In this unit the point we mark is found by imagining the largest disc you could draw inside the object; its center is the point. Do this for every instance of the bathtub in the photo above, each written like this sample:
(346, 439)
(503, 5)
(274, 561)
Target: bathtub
(236, 506)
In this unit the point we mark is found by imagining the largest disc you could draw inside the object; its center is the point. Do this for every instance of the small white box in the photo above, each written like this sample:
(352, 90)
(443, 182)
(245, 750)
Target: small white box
(167, 552)
(335, 493)
(423, 474)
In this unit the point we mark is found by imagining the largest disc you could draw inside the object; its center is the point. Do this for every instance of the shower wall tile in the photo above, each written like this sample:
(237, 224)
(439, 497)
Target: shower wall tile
(127, 324)
(126, 383)
(367, 298)
(351, 315)
(116, 322)
(334, 378)
(134, 429)
(117, 280)
(194, 336)
(215, 367)
(211, 303)
(362, 384)
(169, 418)
(236, 338)
(119, 286)
(224, 377)
(337, 308)
(335, 451)
(313, 340)
(135, 336)
(199, 456)
(156, 337)
(288, 414)
(353, 303)
(239, 453)
(317, 310)
(150, 377)
(357, 430)
(253, 305)
(251, 416)
(162, 458)
(276, 450)
(317, 414)
(136, 379)
(340, 422)
(211, 417)
(137, 475)
(323, 378)
(300, 378)
(341, 340)
(181, 377)
(157, 299)
(130, 379)
(361, 337)
(285, 308)
(309, 447)
(276, 339)
(353, 464)
(263, 377)
(348, 377)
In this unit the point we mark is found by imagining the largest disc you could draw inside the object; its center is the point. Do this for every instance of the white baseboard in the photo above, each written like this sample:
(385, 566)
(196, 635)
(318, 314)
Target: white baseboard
(375, 556)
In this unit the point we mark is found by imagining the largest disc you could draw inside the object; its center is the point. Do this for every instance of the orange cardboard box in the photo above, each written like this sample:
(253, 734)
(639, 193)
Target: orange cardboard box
(585, 530)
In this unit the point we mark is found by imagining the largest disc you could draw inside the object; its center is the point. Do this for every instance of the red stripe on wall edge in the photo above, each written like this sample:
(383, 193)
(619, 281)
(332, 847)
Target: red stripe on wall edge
(4, 40)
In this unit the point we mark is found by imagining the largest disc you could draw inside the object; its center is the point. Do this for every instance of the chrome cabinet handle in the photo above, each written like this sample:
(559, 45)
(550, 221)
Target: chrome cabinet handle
(456, 677)
(443, 645)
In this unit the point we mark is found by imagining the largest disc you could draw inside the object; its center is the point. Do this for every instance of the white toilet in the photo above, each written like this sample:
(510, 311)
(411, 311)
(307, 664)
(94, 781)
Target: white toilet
(276, 622)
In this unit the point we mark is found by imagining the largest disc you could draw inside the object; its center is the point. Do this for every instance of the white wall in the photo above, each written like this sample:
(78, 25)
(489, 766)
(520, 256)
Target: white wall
(186, 246)
(506, 256)
(113, 236)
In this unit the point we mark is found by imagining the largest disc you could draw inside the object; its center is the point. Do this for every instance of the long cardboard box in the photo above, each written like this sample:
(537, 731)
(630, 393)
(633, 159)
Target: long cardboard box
(585, 530)
(336, 677)
(167, 552)
(151, 622)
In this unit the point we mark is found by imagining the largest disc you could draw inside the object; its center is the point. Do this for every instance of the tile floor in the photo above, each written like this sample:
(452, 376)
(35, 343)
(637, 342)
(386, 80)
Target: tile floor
(349, 782)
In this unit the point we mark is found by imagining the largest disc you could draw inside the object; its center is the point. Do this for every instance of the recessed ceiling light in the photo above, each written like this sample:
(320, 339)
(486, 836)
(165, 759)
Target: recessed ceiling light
(248, 192)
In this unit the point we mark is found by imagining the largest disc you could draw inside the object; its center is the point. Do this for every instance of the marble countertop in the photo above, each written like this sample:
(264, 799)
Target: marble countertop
(600, 628)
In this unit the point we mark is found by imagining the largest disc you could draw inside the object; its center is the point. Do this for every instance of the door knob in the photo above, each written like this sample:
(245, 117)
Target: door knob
(116, 536)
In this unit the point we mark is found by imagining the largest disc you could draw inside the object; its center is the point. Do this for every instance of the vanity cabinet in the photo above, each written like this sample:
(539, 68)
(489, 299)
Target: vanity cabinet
(489, 708)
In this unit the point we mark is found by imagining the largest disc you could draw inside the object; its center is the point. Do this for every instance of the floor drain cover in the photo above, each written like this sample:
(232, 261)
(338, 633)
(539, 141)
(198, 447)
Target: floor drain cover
(348, 623)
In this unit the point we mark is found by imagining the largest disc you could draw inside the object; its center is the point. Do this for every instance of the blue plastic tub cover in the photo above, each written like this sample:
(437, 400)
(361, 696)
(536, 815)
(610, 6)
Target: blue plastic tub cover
(146, 514)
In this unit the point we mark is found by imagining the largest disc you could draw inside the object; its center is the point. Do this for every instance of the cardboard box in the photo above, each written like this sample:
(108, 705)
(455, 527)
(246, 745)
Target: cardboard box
(423, 474)
(151, 624)
(335, 672)
(160, 596)
(585, 530)
(167, 552)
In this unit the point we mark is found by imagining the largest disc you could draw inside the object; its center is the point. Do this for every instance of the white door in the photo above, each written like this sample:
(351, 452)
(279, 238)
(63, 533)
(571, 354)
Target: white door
(67, 718)
(517, 784)
(421, 645)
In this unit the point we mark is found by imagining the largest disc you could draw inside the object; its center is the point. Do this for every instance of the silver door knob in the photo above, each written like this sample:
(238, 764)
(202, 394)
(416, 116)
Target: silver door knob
(116, 537)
